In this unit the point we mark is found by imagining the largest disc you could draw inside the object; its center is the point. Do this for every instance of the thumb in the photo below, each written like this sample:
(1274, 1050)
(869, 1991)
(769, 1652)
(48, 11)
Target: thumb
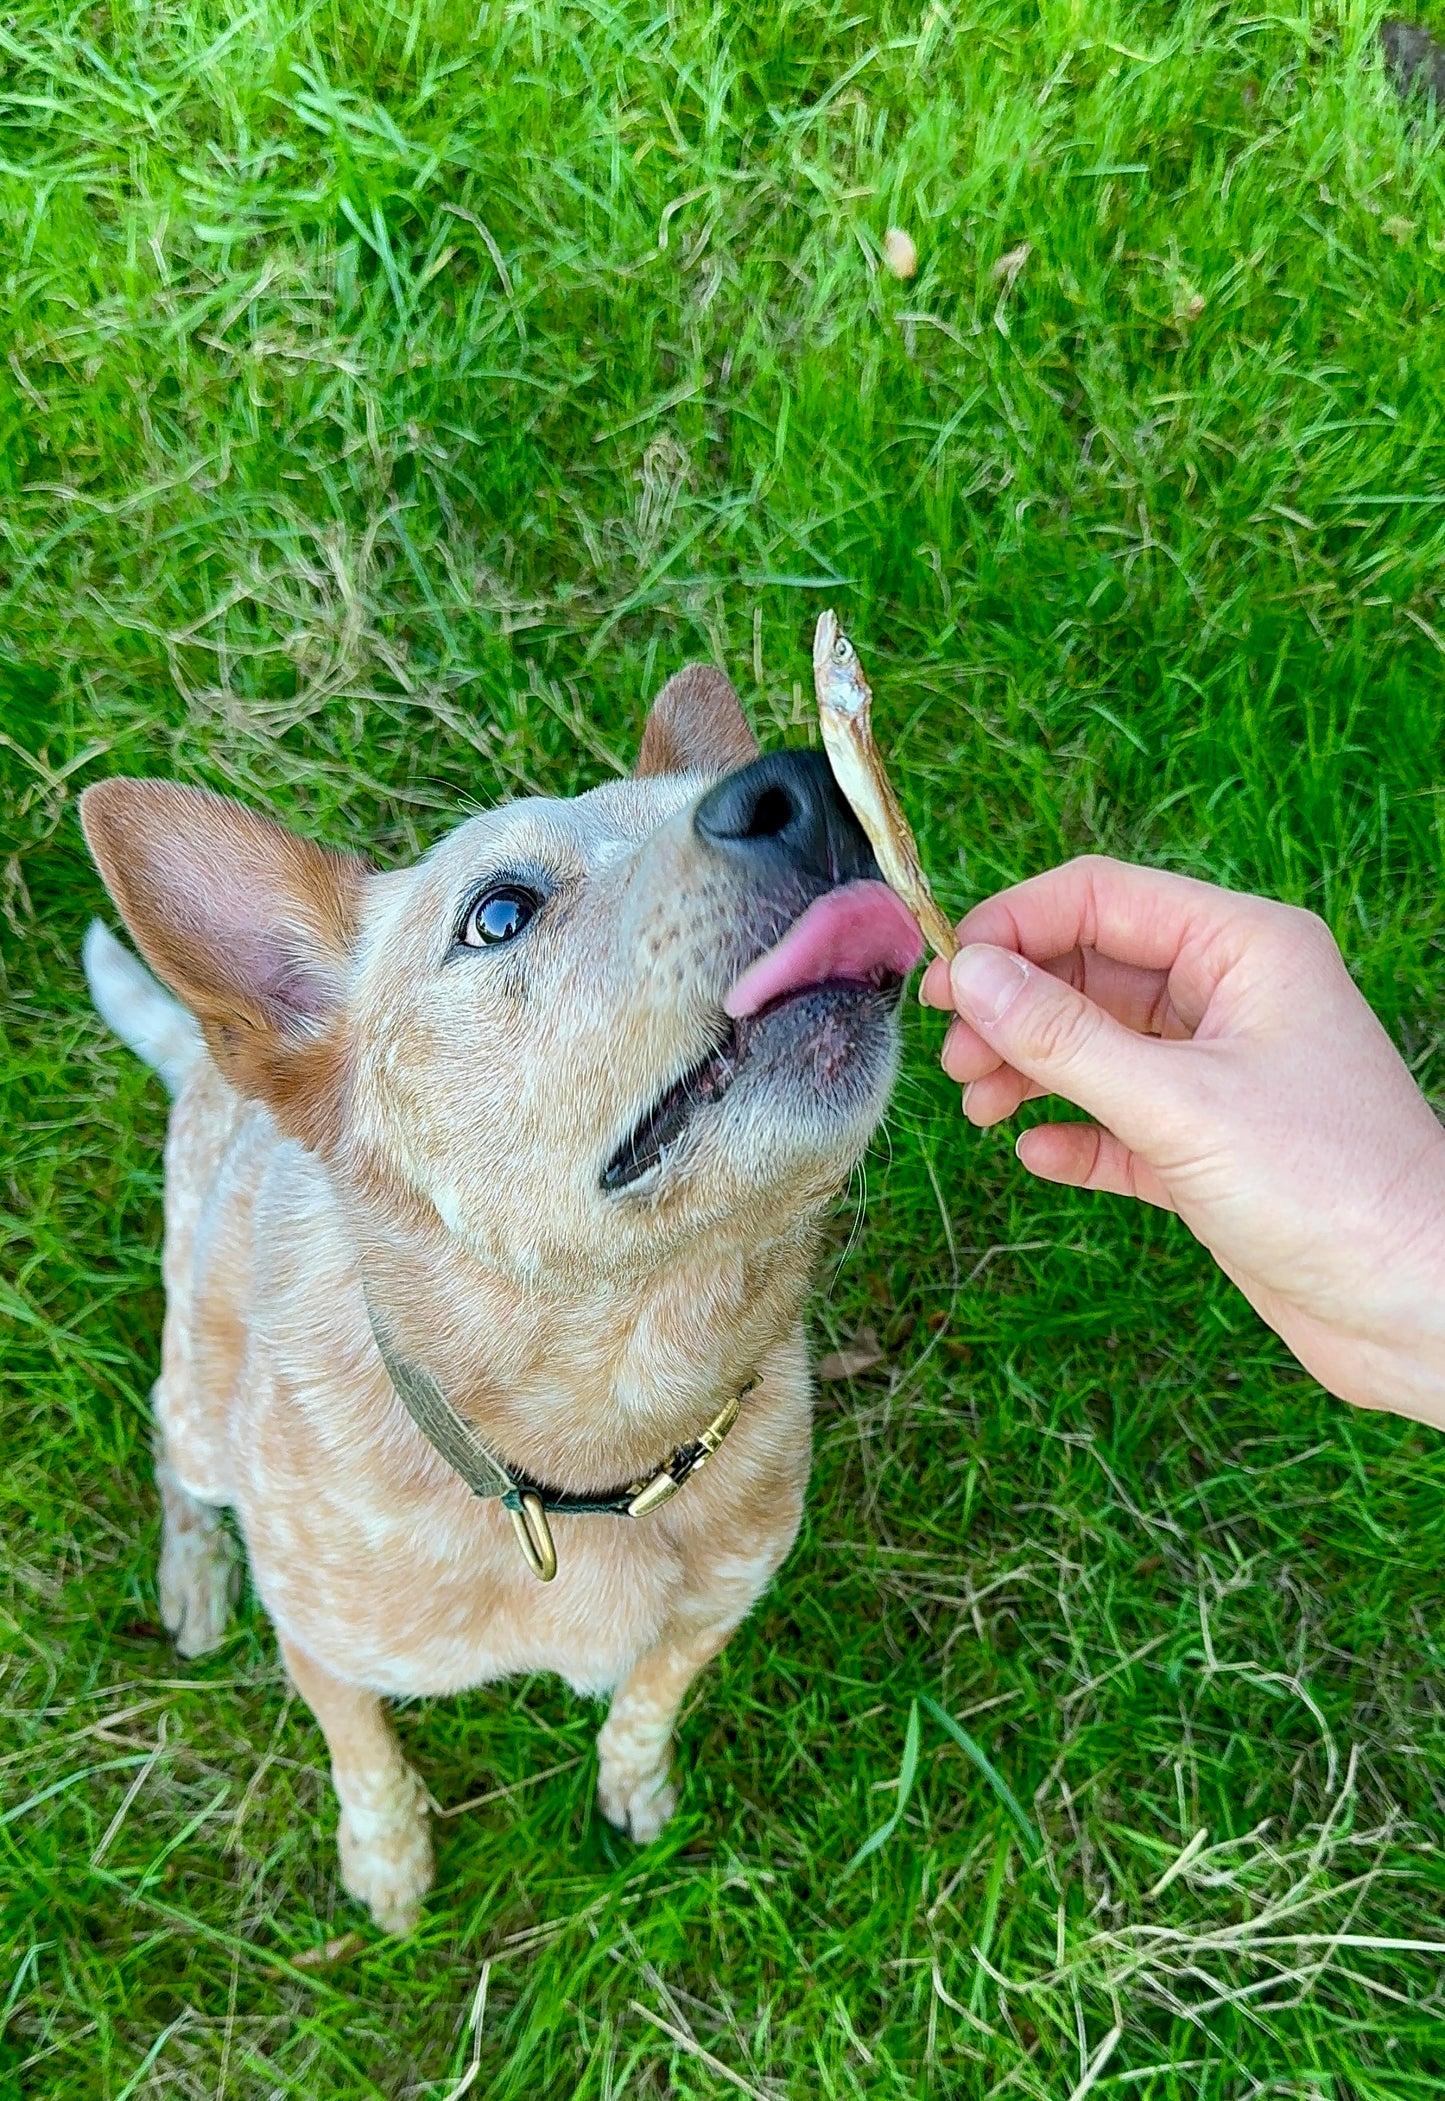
(1060, 1040)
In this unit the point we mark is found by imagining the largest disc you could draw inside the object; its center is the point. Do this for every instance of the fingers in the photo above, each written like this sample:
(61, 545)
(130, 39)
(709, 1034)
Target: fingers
(1140, 999)
(1141, 917)
(1137, 998)
(1082, 1156)
(933, 989)
(965, 1056)
(1116, 933)
(998, 1095)
(1062, 981)
(1056, 1038)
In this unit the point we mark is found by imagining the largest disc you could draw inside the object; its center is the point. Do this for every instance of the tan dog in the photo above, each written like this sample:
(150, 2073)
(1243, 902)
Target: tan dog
(551, 1119)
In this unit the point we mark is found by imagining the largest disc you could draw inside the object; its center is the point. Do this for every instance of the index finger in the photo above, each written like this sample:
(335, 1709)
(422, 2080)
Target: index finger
(1144, 917)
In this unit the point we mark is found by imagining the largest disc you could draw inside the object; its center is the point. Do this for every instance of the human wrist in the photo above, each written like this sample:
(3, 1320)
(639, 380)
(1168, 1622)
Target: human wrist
(1408, 1381)
(1402, 1354)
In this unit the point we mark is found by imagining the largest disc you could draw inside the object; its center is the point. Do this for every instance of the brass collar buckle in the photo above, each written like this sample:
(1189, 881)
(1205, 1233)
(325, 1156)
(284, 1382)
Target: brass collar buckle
(686, 1461)
(528, 1507)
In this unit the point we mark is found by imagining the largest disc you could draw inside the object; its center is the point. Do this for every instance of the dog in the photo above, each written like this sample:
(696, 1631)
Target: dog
(493, 1191)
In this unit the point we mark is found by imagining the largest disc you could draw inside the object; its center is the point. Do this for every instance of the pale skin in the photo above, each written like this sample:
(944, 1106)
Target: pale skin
(1234, 1075)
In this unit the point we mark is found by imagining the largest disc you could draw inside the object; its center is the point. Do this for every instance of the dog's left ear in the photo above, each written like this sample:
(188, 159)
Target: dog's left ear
(697, 725)
(250, 925)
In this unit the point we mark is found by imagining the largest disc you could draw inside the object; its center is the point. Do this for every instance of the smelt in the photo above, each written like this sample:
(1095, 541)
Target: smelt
(845, 701)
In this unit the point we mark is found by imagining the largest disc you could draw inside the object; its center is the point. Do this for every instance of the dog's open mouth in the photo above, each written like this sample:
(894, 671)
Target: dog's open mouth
(856, 936)
(707, 1081)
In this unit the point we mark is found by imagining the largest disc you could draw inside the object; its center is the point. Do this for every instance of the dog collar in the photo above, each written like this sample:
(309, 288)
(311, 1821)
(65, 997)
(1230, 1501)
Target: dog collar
(527, 1500)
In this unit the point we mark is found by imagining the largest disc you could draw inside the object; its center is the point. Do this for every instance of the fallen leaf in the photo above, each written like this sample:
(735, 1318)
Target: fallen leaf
(329, 1953)
(1398, 229)
(861, 1355)
(900, 255)
(1007, 268)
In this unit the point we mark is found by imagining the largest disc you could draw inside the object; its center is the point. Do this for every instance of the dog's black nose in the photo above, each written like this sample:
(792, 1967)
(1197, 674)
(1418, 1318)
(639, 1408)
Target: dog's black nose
(786, 809)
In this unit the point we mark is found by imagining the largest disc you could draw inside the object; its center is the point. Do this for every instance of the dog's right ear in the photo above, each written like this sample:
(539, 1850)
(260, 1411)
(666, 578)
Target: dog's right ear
(697, 725)
(248, 924)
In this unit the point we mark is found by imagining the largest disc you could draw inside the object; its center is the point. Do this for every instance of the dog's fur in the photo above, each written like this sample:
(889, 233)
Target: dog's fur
(359, 1100)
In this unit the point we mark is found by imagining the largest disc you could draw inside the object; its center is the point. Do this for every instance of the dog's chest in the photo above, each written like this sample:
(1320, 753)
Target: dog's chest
(420, 1588)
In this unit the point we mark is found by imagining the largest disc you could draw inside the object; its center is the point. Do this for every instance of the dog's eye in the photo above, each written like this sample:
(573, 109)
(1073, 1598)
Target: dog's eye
(497, 915)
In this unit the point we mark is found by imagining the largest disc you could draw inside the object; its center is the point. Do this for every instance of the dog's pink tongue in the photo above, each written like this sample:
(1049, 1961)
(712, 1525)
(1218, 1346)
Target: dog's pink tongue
(851, 932)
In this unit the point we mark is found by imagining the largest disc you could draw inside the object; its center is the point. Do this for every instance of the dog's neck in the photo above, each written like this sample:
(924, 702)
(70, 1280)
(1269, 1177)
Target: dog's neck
(584, 1382)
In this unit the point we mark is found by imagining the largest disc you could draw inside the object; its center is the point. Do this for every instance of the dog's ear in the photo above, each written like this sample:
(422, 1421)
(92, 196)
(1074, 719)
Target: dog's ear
(697, 725)
(248, 924)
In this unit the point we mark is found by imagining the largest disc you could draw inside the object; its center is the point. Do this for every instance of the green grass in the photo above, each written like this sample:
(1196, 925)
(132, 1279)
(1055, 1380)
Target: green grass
(392, 397)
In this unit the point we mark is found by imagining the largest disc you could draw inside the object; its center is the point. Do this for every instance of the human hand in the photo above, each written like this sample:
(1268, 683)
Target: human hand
(1238, 1078)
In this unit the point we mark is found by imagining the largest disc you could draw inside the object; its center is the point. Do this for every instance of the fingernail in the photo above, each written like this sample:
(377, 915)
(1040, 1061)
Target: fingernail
(987, 981)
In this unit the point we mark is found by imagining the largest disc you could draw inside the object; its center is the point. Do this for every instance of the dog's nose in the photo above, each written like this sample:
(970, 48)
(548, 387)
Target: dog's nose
(786, 809)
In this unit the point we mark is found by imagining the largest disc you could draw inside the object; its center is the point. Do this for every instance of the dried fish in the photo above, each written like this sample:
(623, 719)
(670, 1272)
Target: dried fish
(845, 700)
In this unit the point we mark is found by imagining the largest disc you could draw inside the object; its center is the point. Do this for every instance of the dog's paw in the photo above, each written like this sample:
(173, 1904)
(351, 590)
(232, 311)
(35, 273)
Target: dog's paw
(638, 1803)
(199, 1581)
(386, 1858)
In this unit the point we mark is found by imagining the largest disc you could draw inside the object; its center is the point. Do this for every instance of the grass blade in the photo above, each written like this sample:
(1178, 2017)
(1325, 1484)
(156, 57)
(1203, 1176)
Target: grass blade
(907, 1772)
(974, 1751)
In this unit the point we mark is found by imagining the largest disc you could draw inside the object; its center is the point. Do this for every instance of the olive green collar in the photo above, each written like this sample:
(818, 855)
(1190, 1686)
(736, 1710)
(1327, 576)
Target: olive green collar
(526, 1499)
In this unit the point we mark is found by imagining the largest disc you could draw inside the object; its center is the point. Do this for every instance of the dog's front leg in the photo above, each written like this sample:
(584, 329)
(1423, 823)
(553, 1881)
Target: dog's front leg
(386, 1857)
(634, 1747)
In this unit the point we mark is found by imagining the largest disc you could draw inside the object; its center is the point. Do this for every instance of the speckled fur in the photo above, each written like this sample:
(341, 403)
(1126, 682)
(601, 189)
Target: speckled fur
(365, 1102)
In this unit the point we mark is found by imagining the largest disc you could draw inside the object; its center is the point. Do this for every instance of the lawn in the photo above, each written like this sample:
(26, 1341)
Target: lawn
(391, 398)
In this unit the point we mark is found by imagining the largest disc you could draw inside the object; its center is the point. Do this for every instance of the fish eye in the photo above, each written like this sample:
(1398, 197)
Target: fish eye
(496, 916)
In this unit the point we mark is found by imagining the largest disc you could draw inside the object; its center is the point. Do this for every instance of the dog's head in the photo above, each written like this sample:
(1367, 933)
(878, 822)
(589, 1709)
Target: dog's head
(584, 1033)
